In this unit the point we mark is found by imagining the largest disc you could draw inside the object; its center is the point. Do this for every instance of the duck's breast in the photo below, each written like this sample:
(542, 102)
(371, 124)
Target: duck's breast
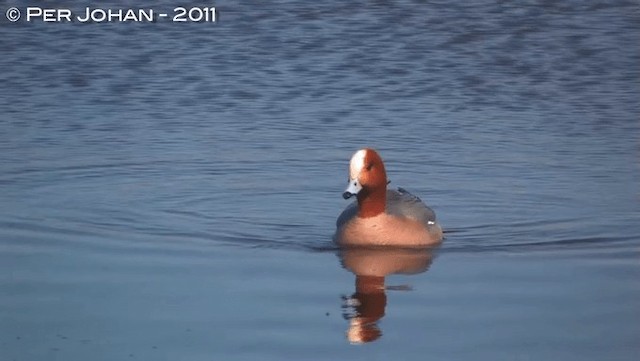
(348, 214)
(387, 230)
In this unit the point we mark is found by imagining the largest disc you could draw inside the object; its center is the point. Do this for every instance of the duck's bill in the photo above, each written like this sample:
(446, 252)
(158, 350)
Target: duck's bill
(347, 195)
(353, 189)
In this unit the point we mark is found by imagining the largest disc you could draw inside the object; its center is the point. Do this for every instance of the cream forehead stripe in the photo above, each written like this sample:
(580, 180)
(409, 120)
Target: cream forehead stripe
(357, 163)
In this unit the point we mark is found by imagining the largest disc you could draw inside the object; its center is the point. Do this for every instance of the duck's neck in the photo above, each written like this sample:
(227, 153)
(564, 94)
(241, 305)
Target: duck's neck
(372, 202)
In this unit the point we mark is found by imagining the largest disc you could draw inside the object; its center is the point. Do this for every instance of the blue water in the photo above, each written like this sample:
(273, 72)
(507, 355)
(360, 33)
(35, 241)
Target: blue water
(169, 190)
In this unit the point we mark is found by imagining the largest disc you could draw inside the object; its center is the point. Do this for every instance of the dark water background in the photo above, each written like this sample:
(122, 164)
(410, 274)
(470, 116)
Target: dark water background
(168, 191)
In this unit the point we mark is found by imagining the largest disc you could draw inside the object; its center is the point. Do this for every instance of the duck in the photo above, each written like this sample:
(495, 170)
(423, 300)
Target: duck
(381, 216)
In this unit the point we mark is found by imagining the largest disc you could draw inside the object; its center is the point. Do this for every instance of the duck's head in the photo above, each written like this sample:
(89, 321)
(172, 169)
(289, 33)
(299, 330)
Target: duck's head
(366, 174)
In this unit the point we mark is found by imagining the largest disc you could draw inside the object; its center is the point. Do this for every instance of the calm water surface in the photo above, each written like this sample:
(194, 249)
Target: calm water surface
(169, 191)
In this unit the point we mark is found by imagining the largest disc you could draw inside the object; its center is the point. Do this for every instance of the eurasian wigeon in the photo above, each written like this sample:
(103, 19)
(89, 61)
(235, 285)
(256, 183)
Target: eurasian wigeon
(382, 217)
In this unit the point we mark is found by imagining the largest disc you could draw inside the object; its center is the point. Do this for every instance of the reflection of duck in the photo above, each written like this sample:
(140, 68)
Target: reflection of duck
(367, 305)
(380, 216)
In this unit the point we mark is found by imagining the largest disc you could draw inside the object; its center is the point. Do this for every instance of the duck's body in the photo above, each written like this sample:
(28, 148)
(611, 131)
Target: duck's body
(406, 221)
(382, 217)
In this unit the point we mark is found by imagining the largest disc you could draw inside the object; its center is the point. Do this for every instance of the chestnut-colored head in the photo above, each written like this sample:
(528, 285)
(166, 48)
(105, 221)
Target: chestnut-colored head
(367, 181)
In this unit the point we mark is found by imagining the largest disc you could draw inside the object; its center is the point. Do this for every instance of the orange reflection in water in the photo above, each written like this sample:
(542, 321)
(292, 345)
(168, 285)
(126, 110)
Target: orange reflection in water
(367, 305)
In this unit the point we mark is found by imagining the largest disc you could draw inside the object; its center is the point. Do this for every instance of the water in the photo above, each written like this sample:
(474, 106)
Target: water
(169, 191)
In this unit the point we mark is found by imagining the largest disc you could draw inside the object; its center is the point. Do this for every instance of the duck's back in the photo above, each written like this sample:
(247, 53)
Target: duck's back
(400, 203)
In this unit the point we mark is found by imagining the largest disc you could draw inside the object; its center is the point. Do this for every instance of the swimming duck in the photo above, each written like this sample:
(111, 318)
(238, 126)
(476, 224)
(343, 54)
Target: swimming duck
(382, 217)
